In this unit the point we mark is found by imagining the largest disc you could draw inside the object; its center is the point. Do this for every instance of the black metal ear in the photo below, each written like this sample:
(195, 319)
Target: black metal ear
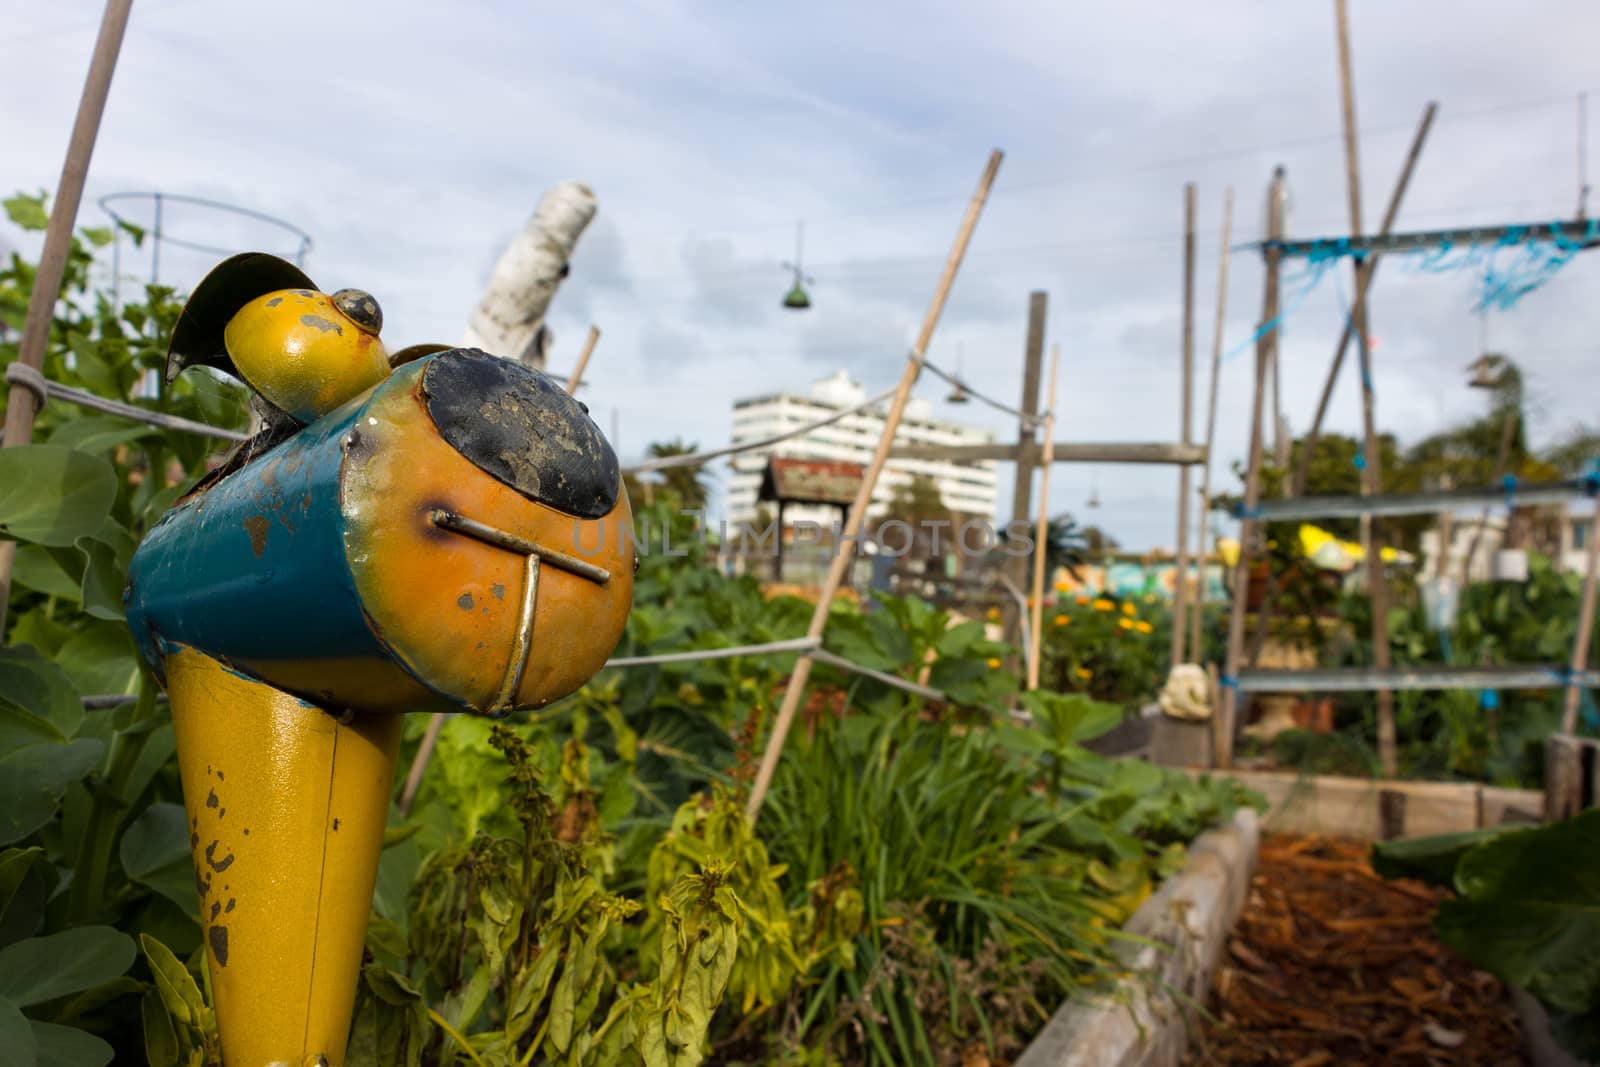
(231, 285)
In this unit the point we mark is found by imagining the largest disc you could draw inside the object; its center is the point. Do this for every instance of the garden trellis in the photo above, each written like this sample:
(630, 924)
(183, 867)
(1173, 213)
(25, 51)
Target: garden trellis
(1537, 253)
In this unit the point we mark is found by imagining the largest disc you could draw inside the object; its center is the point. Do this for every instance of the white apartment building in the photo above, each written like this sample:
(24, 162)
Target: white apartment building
(967, 487)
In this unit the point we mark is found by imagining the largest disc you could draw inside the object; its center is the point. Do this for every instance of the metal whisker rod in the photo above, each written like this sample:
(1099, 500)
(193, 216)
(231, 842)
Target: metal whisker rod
(493, 535)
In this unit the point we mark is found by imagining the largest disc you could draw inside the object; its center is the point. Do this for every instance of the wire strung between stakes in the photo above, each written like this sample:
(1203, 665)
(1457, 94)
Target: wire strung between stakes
(798, 644)
(42, 388)
(696, 459)
(1028, 421)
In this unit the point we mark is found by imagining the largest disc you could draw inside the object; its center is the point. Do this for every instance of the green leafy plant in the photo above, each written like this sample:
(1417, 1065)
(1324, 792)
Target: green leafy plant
(1524, 910)
(87, 797)
(1110, 648)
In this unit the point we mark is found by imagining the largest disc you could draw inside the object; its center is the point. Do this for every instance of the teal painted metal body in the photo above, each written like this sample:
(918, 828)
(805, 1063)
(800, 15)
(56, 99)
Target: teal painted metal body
(254, 569)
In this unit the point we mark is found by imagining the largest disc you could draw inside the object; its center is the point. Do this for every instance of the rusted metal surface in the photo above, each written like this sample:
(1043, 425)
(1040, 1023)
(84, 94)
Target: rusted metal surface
(489, 535)
(522, 428)
(810, 481)
(408, 615)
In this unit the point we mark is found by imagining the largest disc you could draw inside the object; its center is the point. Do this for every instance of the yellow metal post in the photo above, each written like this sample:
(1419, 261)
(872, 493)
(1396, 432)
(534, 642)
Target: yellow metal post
(286, 807)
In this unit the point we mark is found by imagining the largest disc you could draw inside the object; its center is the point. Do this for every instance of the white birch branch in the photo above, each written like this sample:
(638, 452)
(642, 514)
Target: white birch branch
(509, 320)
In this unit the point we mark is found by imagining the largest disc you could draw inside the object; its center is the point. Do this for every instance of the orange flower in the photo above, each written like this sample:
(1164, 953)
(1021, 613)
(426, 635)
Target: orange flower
(994, 664)
(1126, 624)
(1129, 609)
(1102, 604)
(1081, 599)
(1063, 620)
(1143, 627)
(1084, 672)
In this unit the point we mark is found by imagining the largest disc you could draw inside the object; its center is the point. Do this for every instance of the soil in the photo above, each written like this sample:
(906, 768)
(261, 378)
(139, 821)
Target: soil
(1331, 964)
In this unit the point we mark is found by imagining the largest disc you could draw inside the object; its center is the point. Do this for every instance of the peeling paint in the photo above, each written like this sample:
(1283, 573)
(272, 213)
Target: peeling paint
(211, 858)
(217, 936)
(257, 526)
(317, 322)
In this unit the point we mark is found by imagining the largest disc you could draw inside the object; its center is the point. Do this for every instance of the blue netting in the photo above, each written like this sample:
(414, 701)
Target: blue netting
(1303, 281)
(1511, 266)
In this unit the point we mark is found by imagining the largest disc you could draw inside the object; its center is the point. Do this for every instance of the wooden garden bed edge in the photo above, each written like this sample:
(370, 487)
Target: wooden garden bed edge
(1372, 809)
(1145, 1020)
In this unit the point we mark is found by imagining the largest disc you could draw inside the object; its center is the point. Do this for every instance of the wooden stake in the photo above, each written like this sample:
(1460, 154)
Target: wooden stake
(419, 763)
(583, 360)
(1042, 531)
(1580, 641)
(21, 405)
(1364, 273)
(1223, 721)
(840, 563)
(1372, 472)
(1195, 641)
(1027, 442)
(1181, 575)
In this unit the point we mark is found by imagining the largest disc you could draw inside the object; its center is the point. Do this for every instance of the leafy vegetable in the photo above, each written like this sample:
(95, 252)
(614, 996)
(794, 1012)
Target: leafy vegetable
(1527, 909)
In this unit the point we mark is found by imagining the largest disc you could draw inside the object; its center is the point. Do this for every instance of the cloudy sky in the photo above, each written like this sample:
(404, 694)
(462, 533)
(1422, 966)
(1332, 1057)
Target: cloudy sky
(411, 140)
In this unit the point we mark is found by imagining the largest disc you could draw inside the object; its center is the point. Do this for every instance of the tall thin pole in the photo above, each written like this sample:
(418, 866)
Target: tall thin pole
(1228, 711)
(1583, 156)
(1027, 433)
(1580, 641)
(1364, 274)
(21, 405)
(1195, 642)
(1041, 540)
(576, 377)
(840, 563)
(1372, 470)
(1186, 431)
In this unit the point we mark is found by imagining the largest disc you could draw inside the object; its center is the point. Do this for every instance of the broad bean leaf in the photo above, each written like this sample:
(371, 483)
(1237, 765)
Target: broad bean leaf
(100, 433)
(33, 780)
(38, 568)
(16, 1036)
(155, 853)
(32, 684)
(52, 495)
(44, 968)
(67, 1046)
(26, 879)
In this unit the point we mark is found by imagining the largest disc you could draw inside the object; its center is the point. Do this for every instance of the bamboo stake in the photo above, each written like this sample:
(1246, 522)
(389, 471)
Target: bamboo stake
(419, 762)
(1364, 273)
(1372, 472)
(1580, 641)
(1042, 532)
(21, 405)
(1181, 575)
(1365, 270)
(1195, 641)
(583, 360)
(1224, 720)
(858, 510)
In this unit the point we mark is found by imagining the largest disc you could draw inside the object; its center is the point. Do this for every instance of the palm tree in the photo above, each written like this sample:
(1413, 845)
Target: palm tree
(686, 483)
